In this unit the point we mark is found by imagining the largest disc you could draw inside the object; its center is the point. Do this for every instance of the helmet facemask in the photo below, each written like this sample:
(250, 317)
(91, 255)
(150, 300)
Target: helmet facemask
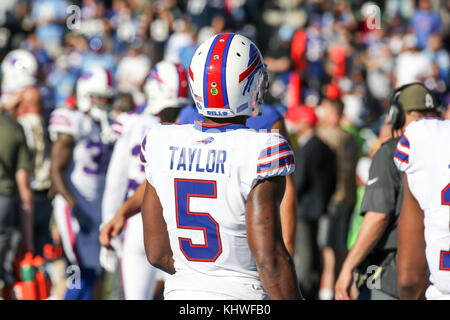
(260, 92)
(101, 111)
(100, 104)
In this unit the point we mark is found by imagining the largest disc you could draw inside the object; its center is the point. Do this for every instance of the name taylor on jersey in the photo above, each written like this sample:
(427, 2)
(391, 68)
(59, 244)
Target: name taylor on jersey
(198, 159)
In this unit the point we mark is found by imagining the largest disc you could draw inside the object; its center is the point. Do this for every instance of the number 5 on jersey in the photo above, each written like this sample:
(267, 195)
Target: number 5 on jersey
(444, 263)
(184, 190)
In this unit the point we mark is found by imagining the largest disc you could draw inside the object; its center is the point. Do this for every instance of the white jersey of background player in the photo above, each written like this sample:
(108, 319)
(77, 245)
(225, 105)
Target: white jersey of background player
(423, 153)
(165, 87)
(204, 173)
(78, 209)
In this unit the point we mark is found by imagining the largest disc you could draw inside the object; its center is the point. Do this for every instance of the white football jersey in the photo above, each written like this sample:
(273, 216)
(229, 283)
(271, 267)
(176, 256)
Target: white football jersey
(203, 175)
(87, 170)
(125, 174)
(125, 171)
(423, 153)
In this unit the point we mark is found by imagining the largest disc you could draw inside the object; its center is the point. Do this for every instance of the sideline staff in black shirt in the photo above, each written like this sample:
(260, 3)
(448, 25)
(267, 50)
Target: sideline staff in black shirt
(376, 244)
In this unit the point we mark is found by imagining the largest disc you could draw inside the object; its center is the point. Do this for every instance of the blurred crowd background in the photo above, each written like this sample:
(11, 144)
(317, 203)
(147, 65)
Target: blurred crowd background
(313, 49)
(307, 45)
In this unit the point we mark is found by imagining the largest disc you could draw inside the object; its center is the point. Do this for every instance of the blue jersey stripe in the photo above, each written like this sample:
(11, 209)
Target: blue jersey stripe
(404, 141)
(401, 156)
(280, 162)
(141, 156)
(274, 150)
(144, 143)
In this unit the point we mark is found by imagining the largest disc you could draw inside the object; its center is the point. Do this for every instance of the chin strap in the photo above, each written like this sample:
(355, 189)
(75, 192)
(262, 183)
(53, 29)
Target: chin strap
(260, 93)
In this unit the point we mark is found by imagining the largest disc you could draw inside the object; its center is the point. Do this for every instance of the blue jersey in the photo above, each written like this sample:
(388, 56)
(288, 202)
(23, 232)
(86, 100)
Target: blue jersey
(270, 115)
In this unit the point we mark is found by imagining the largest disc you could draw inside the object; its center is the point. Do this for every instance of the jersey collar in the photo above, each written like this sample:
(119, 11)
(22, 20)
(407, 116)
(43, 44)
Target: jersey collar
(222, 127)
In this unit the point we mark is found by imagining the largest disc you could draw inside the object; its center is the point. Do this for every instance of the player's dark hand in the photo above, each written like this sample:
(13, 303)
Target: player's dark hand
(51, 192)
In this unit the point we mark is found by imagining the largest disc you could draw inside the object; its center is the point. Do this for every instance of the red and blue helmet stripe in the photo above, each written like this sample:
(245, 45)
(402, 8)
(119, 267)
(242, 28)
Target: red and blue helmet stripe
(214, 81)
(109, 78)
(182, 81)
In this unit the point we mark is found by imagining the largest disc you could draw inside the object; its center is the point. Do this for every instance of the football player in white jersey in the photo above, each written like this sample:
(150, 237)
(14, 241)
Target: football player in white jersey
(82, 144)
(166, 90)
(213, 189)
(423, 154)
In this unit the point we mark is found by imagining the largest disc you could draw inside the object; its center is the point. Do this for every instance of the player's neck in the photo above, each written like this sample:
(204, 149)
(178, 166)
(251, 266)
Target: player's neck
(236, 120)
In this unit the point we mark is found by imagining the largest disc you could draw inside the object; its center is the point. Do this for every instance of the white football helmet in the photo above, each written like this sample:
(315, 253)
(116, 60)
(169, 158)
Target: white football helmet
(166, 86)
(19, 70)
(227, 77)
(97, 82)
(93, 87)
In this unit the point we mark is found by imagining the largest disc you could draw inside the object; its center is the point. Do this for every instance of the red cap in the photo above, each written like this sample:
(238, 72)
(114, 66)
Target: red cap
(332, 91)
(302, 113)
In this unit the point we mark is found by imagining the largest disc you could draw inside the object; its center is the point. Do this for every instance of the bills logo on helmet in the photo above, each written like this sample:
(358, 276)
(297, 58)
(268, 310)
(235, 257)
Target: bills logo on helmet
(254, 64)
(154, 75)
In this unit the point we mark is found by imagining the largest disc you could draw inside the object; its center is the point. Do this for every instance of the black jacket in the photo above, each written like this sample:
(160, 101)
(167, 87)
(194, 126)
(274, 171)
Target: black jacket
(315, 178)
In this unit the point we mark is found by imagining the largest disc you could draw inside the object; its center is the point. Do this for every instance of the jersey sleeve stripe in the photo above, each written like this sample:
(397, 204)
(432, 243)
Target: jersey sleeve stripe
(275, 164)
(142, 152)
(268, 148)
(398, 151)
(141, 156)
(402, 149)
(144, 143)
(282, 155)
(284, 146)
(404, 142)
(401, 156)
